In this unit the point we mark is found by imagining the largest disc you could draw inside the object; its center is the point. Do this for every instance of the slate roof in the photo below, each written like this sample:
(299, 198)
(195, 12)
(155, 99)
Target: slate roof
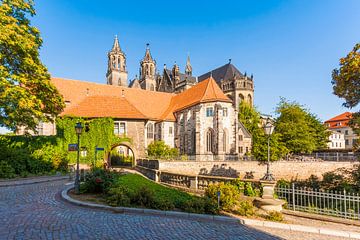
(87, 99)
(226, 72)
(182, 76)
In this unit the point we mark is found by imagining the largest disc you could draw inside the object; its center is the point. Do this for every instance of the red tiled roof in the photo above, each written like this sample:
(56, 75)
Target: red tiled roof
(86, 99)
(339, 121)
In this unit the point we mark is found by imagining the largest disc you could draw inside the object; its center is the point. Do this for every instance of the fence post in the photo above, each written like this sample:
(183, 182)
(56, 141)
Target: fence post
(345, 210)
(293, 196)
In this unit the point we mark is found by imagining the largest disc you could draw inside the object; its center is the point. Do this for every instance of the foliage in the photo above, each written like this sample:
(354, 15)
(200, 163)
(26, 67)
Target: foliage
(250, 117)
(346, 79)
(158, 149)
(6, 170)
(118, 159)
(245, 208)
(229, 194)
(97, 181)
(26, 94)
(275, 216)
(135, 190)
(299, 130)
(31, 155)
(346, 85)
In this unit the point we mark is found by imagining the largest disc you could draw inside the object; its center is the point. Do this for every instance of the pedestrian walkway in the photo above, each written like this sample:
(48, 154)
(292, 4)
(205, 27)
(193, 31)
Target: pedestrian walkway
(31, 180)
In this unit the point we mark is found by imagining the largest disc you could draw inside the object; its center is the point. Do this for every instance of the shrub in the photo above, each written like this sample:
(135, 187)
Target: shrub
(163, 204)
(229, 194)
(6, 171)
(118, 196)
(159, 149)
(246, 208)
(275, 216)
(144, 197)
(248, 190)
(201, 205)
(97, 181)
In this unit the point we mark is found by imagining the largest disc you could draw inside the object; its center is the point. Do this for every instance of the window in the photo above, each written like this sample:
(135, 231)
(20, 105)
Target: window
(240, 137)
(347, 142)
(246, 150)
(150, 130)
(225, 112)
(224, 141)
(340, 144)
(240, 149)
(119, 128)
(170, 130)
(209, 141)
(209, 112)
(40, 128)
(346, 132)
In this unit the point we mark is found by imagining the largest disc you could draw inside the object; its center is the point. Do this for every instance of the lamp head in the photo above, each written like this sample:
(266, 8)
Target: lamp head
(78, 128)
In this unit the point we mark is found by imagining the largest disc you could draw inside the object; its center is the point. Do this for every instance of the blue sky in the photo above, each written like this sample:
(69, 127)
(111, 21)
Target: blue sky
(291, 47)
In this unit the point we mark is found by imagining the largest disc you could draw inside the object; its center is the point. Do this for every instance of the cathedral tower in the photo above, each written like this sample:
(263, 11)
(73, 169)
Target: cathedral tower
(147, 71)
(116, 73)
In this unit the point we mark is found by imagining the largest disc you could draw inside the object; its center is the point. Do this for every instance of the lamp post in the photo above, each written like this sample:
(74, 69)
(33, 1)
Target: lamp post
(78, 130)
(268, 128)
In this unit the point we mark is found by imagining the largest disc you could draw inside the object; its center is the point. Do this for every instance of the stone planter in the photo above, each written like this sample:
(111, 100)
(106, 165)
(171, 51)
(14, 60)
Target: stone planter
(267, 201)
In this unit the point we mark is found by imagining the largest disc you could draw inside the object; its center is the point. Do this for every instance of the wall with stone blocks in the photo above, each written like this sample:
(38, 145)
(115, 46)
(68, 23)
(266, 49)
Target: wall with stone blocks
(280, 169)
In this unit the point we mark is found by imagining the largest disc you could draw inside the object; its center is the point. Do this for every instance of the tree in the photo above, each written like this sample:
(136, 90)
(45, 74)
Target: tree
(26, 93)
(346, 84)
(159, 149)
(252, 122)
(300, 131)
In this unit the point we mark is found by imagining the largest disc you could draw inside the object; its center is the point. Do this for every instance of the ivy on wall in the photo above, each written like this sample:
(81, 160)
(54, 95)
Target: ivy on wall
(96, 133)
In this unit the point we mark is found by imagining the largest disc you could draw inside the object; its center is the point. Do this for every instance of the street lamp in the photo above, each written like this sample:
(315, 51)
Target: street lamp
(78, 130)
(268, 128)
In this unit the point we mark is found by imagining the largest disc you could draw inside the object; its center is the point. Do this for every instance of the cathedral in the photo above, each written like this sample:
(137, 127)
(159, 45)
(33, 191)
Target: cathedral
(196, 115)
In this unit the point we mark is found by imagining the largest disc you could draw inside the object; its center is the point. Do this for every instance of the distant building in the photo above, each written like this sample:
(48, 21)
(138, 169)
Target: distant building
(336, 140)
(340, 124)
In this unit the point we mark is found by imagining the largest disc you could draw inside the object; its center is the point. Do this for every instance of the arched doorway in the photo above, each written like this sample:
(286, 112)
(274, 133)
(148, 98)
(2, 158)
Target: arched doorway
(121, 155)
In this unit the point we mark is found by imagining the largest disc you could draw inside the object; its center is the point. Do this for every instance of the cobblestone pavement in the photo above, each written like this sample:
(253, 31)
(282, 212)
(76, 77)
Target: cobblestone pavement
(36, 212)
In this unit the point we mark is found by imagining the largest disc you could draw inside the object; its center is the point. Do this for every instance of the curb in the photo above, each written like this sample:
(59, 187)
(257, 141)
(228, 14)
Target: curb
(9, 184)
(215, 218)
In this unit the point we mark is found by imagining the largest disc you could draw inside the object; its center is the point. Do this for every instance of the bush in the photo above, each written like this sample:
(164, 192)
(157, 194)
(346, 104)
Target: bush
(158, 149)
(246, 208)
(6, 171)
(144, 197)
(201, 205)
(118, 196)
(229, 194)
(275, 216)
(97, 181)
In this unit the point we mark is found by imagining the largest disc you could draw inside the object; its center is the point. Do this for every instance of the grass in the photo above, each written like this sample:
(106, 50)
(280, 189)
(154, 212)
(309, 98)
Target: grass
(134, 182)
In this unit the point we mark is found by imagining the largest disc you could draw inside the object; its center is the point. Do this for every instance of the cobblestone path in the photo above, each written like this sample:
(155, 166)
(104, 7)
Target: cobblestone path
(36, 212)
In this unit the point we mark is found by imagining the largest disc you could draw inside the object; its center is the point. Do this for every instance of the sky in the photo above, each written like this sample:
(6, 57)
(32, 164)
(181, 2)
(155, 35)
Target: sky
(291, 47)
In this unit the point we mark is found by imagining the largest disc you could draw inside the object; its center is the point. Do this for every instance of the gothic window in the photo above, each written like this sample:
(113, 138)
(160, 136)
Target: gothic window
(250, 99)
(209, 140)
(240, 137)
(193, 140)
(209, 112)
(150, 130)
(225, 142)
(225, 112)
(152, 70)
(241, 97)
(244, 84)
(119, 63)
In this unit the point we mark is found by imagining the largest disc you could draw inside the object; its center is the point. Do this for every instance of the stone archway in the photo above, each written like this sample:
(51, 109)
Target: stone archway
(121, 155)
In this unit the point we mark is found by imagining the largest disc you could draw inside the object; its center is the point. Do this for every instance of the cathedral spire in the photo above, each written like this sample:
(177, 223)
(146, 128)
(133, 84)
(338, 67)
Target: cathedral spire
(148, 57)
(188, 67)
(116, 45)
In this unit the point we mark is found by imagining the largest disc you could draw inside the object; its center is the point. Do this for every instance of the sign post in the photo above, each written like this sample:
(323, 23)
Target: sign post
(218, 195)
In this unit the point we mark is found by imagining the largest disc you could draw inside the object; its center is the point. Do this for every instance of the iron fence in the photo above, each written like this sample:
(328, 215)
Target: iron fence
(334, 156)
(332, 203)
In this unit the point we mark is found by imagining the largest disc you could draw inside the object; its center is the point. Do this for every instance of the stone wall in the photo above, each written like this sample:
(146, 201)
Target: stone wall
(280, 169)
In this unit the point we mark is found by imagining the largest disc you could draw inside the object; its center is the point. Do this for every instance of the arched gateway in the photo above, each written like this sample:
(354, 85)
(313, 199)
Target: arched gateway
(120, 155)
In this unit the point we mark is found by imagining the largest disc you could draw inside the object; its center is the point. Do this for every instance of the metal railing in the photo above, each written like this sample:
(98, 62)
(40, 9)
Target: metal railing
(331, 156)
(332, 203)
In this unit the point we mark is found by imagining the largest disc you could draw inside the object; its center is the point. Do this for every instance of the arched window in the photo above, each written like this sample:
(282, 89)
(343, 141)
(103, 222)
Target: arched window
(119, 64)
(150, 130)
(249, 99)
(225, 142)
(209, 140)
(193, 141)
(147, 69)
(152, 70)
(241, 98)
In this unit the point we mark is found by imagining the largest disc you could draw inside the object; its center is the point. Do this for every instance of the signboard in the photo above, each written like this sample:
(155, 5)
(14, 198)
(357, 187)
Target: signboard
(99, 149)
(72, 147)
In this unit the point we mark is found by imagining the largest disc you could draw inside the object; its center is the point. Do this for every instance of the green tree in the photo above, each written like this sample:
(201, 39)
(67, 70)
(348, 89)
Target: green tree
(250, 117)
(159, 149)
(300, 131)
(26, 93)
(346, 84)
